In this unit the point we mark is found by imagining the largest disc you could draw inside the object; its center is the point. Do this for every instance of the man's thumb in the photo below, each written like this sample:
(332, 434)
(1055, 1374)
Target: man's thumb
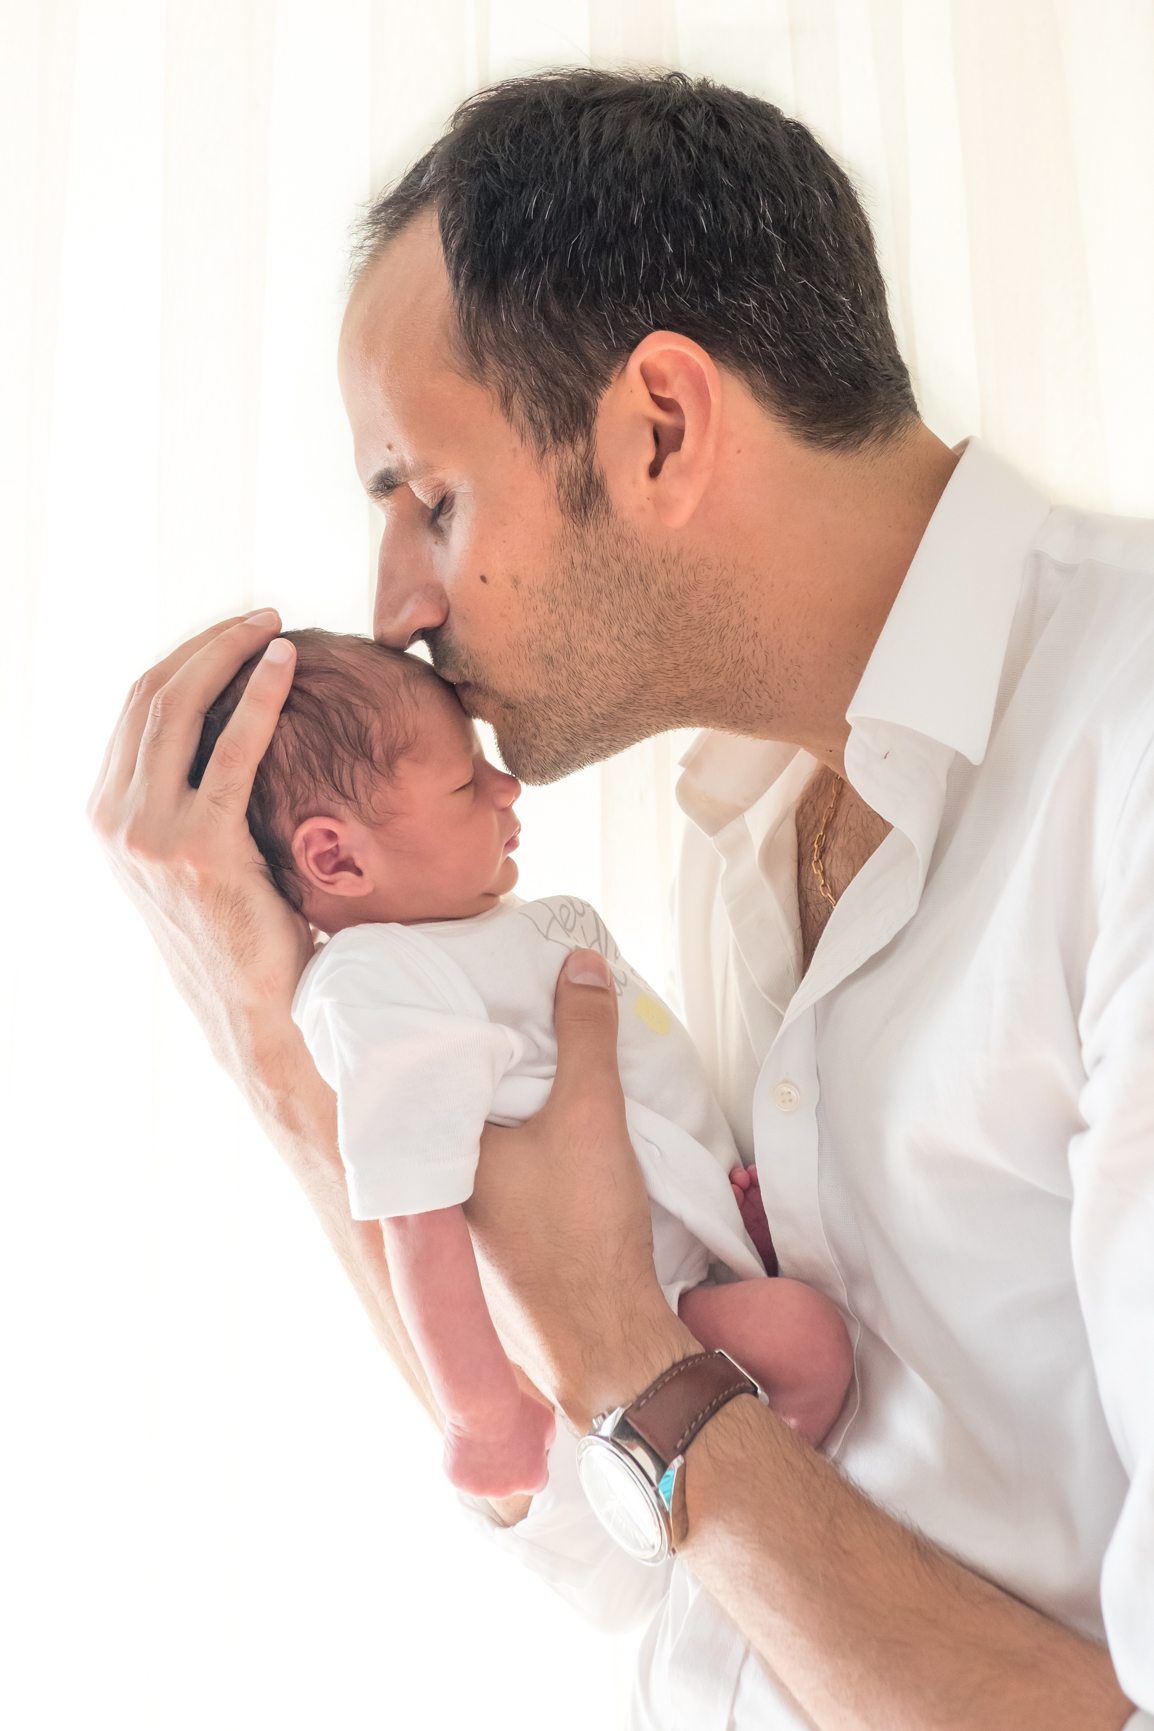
(585, 1014)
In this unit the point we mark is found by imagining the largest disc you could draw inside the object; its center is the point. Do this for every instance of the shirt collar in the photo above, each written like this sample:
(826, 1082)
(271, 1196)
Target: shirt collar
(936, 666)
(723, 774)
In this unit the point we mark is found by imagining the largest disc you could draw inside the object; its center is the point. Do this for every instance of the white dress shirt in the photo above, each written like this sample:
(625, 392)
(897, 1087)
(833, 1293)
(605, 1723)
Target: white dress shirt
(952, 1111)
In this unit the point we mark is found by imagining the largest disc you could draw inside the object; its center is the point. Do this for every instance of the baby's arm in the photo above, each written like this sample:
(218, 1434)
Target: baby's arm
(495, 1435)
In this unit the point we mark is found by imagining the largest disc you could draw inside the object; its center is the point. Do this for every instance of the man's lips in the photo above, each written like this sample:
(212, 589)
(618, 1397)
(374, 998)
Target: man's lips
(514, 840)
(474, 699)
(464, 695)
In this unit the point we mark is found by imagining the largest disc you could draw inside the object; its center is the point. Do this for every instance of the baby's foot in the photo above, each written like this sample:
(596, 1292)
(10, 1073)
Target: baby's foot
(505, 1457)
(747, 1194)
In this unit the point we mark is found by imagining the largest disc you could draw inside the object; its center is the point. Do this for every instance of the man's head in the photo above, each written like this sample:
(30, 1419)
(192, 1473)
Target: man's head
(374, 801)
(586, 266)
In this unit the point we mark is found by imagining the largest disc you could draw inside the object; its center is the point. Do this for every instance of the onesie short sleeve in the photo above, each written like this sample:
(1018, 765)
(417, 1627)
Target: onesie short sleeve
(397, 1030)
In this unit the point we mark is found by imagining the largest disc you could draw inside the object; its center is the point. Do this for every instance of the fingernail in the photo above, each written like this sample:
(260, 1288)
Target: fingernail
(278, 650)
(262, 616)
(585, 968)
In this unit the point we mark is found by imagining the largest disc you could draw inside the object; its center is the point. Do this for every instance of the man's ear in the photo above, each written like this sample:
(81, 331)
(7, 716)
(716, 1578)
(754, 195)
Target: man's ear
(658, 428)
(326, 855)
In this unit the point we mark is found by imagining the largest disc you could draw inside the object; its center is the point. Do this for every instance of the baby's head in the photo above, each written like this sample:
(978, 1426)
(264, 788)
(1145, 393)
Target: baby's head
(374, 801)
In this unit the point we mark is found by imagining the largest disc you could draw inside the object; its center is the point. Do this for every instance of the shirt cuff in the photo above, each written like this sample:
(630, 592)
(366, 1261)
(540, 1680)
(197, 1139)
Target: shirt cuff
(563, 1542)
(1139, 1721)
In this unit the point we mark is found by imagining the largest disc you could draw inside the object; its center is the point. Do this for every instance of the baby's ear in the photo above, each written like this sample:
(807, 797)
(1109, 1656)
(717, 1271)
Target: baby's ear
(325, 853)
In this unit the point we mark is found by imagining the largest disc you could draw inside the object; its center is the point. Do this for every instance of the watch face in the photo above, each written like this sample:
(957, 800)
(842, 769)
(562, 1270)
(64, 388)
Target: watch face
(622, 1500)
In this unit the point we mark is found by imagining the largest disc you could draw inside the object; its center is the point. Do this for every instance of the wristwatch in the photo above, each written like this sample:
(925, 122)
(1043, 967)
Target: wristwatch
(631, 1464)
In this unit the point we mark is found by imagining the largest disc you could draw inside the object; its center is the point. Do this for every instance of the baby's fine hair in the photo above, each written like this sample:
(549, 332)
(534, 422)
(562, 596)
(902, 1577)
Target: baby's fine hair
(349, 718)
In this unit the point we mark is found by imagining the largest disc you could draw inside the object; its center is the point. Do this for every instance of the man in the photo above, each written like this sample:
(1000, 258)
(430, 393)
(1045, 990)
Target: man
(620, 375)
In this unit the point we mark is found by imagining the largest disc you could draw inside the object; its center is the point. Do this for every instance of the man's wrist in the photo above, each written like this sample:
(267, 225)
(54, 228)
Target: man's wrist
(651, 1348)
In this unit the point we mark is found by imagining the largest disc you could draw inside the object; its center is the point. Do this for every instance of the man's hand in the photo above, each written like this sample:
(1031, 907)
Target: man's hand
(234, 947)
(560, 1220)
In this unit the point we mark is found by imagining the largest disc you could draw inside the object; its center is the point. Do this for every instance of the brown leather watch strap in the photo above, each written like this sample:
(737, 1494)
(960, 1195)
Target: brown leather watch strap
(673, 1409)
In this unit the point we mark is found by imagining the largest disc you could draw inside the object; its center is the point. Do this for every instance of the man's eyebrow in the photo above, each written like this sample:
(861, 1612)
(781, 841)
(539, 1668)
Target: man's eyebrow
(384, 482)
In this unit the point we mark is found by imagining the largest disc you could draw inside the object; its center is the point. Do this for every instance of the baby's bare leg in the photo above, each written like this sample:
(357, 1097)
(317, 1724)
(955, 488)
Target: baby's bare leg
(789, 1338)
(496, 1435)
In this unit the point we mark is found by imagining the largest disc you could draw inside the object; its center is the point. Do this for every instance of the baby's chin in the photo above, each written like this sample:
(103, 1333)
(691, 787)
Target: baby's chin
(503, 881)
(504, 877)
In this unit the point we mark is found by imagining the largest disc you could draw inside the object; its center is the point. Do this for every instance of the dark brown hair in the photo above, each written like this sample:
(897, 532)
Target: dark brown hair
(349, 718)
(580, 210)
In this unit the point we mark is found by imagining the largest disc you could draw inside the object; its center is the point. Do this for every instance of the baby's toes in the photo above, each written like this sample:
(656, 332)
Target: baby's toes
(755, 1223)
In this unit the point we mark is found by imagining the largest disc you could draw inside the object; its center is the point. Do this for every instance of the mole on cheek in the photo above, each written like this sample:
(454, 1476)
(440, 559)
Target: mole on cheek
(484, 579)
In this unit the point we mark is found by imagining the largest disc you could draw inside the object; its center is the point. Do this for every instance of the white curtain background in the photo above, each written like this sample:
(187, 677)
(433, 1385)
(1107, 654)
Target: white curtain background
(220, 1508)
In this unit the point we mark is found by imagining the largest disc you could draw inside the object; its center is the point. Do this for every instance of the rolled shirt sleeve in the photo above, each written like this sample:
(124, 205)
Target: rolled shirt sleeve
(562, 1541)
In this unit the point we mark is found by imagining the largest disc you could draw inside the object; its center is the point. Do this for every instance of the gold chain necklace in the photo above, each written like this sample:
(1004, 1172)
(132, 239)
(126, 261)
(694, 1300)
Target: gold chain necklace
(819, 845)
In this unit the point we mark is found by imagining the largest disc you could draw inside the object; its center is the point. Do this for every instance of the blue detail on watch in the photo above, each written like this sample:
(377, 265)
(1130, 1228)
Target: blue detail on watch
(665, 1487)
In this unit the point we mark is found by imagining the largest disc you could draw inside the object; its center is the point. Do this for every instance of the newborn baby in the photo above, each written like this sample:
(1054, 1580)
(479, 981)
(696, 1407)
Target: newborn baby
(430, 1011)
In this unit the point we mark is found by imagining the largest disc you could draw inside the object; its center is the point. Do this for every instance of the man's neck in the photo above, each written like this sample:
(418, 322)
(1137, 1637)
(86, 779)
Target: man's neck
(822, 546)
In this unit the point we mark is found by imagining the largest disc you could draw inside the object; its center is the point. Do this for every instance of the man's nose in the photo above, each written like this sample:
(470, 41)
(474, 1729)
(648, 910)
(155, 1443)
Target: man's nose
(409, 597)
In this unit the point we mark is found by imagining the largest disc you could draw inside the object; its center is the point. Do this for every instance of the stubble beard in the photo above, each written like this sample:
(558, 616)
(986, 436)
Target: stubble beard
(591, 670)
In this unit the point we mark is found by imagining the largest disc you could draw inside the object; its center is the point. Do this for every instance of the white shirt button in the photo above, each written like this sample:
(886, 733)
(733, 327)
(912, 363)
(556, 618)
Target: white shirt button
(786, 1096)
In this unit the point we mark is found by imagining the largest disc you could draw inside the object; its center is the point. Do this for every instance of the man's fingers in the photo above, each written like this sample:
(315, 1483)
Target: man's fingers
(228, 779)
(105, 777)
(585, 1015)
(122, 757)
(119, 765)
(176, 711)
(266, 621)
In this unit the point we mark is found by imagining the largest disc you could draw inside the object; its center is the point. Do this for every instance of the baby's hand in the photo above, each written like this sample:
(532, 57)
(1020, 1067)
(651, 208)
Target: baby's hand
(747, 1195)
(505, 1459)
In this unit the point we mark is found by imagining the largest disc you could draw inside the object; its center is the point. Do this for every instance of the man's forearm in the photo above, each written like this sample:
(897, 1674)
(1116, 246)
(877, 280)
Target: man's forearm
(298, 1112)
(864, 1623)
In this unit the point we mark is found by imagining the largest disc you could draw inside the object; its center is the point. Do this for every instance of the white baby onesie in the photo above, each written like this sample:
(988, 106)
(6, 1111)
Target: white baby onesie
(425, 1032)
